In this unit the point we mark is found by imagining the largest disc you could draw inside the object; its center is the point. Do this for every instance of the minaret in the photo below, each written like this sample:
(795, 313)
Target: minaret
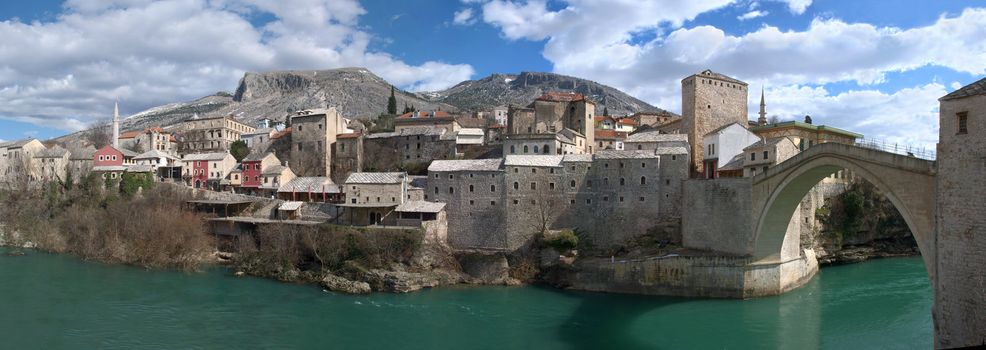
(763, 110)
(116, 125)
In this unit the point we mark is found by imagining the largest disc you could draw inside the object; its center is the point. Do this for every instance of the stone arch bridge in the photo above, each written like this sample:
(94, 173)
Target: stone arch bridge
(908, 182)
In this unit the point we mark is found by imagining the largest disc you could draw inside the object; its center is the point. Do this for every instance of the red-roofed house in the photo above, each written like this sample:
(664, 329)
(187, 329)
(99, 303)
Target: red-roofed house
(604, 122)
(433, 119)
(610, 139)
(626, 125)
(150, 139)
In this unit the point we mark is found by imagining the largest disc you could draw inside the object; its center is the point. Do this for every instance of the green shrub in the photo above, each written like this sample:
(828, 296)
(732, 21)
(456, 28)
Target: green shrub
(563, 240)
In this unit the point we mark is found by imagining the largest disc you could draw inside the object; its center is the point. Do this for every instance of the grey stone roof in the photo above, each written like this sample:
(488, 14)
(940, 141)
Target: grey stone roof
(768, 142)
(628, 154)
(15, 143)
(314, 184)
(82, 153)
(273, 170)
(205, 156)
(423, 131)
(466, 165)
(55, 151)
(139, 168)
(127, 152)
(290, 206)
(154, 154)
(721, 128)
(532, 160)
(977, 88)
(420, 207)
(267, 131)
(655, 136)
(109, 168)
(418, 181)
(375, 178)
(671, 150)
(577, 158)
(734, 164)
(710, 73)
(255, 156)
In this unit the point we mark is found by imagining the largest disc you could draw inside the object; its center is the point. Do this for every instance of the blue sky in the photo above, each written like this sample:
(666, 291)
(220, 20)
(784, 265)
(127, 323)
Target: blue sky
(869, 66)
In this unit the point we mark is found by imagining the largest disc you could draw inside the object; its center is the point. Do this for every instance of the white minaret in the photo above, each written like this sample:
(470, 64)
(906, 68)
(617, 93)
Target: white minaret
(116, 125)
(763, 110)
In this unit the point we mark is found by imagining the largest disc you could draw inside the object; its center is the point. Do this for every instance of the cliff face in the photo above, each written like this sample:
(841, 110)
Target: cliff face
(521, 89)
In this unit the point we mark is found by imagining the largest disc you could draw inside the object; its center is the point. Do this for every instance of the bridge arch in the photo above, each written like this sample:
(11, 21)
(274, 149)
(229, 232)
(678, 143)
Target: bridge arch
(908, 183)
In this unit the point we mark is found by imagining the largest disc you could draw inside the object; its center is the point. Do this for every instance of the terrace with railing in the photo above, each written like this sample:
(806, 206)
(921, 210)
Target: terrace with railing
(902, 149)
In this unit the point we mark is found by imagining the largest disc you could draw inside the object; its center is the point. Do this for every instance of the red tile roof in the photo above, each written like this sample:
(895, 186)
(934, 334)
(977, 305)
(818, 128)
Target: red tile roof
(557, 96)
(627, 121)
(610, 134)
(421, 114)
(130, 134)
(600, 118)
(285, 132)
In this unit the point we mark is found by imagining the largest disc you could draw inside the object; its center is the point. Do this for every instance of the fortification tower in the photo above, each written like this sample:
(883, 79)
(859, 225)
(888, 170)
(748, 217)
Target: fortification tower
(960, 225)
(710, 100)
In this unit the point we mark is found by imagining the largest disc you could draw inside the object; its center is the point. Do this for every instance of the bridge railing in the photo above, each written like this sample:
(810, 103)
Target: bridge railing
(902, 149)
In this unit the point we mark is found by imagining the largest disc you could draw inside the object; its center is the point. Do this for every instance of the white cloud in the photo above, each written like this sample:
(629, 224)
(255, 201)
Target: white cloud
(64, 73)
(752, 14)
(829, 50)
(908, 117)
(464, 17)
(797, 6)
(956, 85)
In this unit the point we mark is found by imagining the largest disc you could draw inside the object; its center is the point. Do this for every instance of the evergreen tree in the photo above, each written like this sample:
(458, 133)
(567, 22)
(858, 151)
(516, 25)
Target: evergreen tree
(406, 108)
(605, 111)
(239, 150)
(392, 102)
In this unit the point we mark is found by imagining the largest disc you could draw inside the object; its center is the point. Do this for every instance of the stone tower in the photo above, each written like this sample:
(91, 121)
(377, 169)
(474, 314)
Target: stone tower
(961, 226)
(763, 110)
(116, 126)
(710, 100)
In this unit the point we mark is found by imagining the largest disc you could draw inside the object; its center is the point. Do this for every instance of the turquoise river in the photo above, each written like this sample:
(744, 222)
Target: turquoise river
(58, 302)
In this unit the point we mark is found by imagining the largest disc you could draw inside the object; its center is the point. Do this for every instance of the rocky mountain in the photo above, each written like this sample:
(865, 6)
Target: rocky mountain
(521, 89)
(358, 93)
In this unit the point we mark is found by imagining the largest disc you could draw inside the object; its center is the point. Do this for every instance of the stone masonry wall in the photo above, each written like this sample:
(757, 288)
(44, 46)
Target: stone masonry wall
(960, 291)
(708, 103)
(717, 215)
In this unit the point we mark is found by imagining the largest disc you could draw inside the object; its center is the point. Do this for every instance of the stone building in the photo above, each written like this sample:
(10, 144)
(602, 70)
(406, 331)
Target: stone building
(156, 159)
(434, 119)
(81, 161)
(560, 143)
(504, 203)
(805, 135)
(760, 156)
(409, 148)
(551, 113)
(371, 196)
(723, 144)
(709, 101)
(259, 140)
(653, 139)
(207, 170)
(610, 139)
(654, 119)
(273, 177)
(960, 223)
(150, 139)
(347, 156)
(51, 164)
(313, 133)
(203, 135)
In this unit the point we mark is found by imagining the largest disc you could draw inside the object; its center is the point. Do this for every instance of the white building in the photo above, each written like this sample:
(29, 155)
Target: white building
(723, 144)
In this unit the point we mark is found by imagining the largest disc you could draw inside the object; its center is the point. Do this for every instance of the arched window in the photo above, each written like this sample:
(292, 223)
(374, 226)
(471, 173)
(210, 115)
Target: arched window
(572, 184)
(643, 180)
(622, 181)
(513, 149)
(525, 148)
(535, 148)
(516, 185)
(546, 149)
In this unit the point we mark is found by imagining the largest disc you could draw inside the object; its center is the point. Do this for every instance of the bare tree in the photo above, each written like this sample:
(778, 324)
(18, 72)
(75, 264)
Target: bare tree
(773, 120)
(99, 134)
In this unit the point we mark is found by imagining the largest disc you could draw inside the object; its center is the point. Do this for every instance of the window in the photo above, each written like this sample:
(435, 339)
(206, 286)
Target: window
(643, 165)
(552, 170)
(492, 188)
(963, 121)
(436, 175)
(320, 126)
(588, 184)
(551, 185)
(516, 170)
(492, 202)
(606, 165)
(623, 182)
(621, 198)
(299, 127)
(299, 147)
(621, 165)
(535, 148)
(470, 188)
(470, 202)
(640, 147)
(588, 201)
(378, 199)
(436, 190)
(753, 156)
(451, 190)
(450, 176)
(354, 201)
(667, 182)
(534, 170)
(571, 184)
(643, 180)
(525, 148)
(512, 149)
(515, 201)
(641, 199)
(516, 185)
(765, 155)
(572, 201)
(764, 168)
(605, 198)
(534, 185)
